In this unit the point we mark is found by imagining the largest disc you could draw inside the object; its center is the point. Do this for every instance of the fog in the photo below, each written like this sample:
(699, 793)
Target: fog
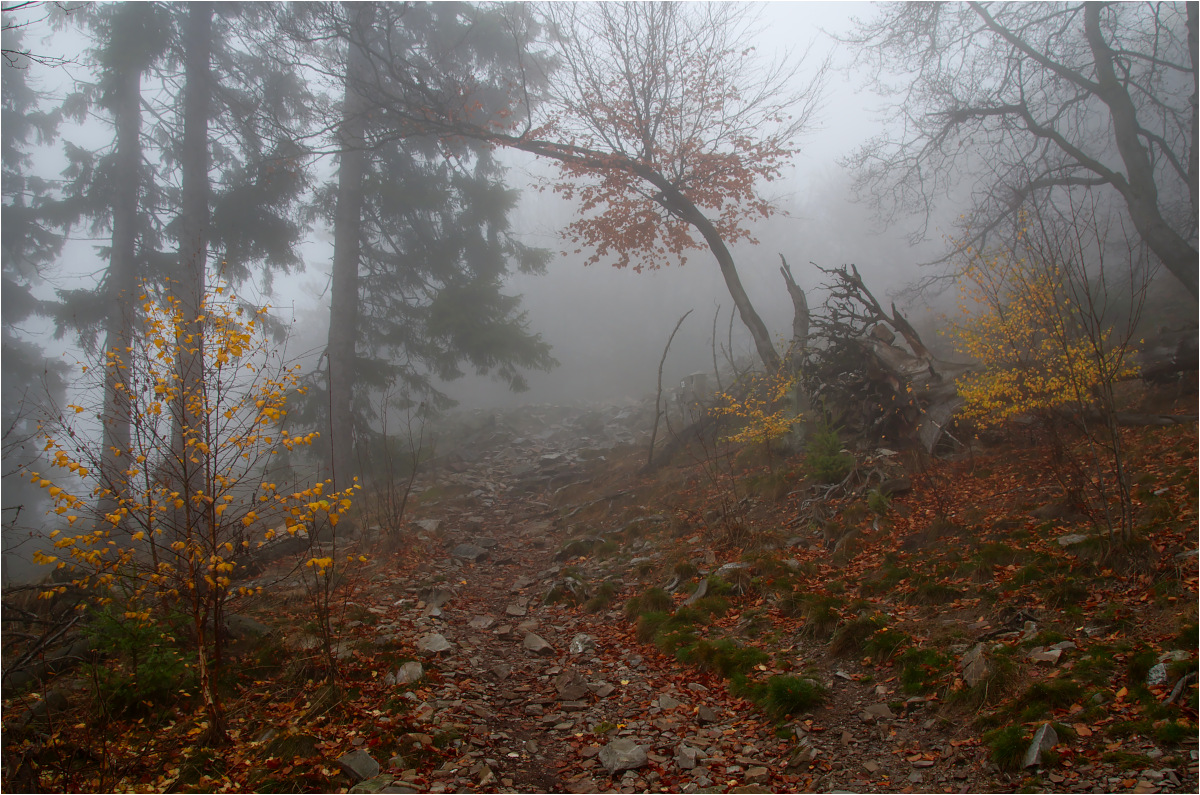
(609, 326)
(606, 327)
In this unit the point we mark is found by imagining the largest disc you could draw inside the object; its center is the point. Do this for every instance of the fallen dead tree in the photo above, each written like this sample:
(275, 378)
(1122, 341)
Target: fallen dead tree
(871, 371)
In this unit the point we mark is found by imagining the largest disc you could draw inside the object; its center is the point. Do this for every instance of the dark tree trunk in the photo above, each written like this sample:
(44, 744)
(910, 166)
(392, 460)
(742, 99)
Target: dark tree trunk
(193, 237)
(121, 281)
(343, 310)
(194, 223)
(1140, 191)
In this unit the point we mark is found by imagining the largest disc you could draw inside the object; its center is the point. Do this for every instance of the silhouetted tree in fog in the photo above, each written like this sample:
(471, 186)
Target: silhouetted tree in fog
(1027, 99)
(663, 123)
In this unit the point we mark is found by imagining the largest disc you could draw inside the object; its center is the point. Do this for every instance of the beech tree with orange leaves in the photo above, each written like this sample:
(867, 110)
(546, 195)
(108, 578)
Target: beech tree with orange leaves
(663, 121)
(673, 126)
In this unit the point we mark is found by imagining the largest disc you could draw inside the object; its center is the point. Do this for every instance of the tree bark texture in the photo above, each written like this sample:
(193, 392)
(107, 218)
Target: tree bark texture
(1139, 190)
(343, 311)
(193, 225)
(121, 282)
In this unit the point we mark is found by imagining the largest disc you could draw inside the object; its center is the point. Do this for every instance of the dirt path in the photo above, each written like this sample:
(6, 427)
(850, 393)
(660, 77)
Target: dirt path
(513, 717)
(530, 724)
(524, 730)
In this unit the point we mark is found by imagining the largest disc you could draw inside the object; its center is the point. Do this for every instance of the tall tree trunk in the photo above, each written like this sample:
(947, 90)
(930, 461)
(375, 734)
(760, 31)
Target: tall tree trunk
(121, 283)
(193, 258)
(1193, 28)
(188, 288)
(343, 310)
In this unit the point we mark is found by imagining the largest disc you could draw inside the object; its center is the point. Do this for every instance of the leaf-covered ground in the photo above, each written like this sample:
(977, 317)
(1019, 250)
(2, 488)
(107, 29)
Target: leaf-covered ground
(828, 656)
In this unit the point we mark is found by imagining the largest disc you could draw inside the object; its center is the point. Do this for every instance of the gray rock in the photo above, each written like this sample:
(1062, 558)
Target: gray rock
(537, 644)
(1044, 739)
(582, 643)
(1157, 675)
(757, 775)
(469, 553)
(802, 756)
(371, 785)
(622, 754)
(1072, 539)
(571, 685)
(687, 757)
(55, 701)
(975, 665)
(433, 644)
(516, 610)
(435, 597)
(487, 543)
(1045, 655)
(408, 673)
(729, 569)
(880, 712)
(429, 525)
(482, 622)
(666, 702)
(699, 593)
(359, 765)
(706, 715)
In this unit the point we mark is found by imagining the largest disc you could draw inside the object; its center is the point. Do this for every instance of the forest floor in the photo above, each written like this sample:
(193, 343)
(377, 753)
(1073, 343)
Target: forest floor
(551, 619)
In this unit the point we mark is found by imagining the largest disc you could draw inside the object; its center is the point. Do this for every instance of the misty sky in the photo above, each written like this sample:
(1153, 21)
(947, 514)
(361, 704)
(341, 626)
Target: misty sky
(608, 327)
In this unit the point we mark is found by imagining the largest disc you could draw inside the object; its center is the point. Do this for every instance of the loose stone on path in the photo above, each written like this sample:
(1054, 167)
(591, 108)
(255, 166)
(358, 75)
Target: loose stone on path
(537, 644)
(434, 644)
(622, 754)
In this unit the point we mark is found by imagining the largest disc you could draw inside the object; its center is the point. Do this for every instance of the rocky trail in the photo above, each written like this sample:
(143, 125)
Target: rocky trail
(549, 698)
(549, 619)
(540, 695)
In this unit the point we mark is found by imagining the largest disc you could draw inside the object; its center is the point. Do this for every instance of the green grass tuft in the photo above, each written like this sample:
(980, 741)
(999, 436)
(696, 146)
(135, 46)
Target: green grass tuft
(1007, 746)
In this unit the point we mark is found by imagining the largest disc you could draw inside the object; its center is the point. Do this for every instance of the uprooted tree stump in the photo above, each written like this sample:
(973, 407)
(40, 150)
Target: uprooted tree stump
(873, 373)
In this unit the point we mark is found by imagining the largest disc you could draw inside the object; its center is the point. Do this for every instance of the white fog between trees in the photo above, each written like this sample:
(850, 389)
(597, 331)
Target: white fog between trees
(432, 197)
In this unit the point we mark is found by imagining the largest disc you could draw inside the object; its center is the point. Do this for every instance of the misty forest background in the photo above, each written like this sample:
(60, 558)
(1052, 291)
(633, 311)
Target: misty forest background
(259, 258)
(462, 265)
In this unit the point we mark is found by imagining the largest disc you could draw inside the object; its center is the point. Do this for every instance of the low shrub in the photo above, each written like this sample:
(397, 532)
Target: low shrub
(1007, 746)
